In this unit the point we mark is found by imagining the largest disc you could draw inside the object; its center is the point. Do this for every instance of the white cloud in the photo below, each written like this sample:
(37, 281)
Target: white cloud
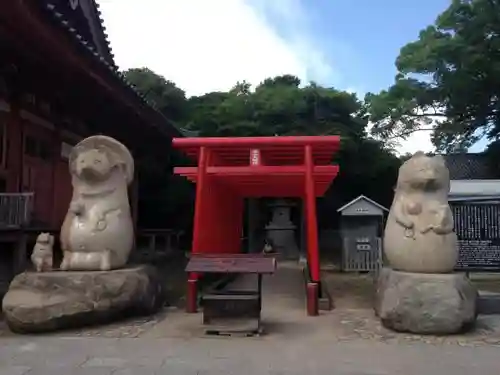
(206, 46)
(293, 20)
(418, 141)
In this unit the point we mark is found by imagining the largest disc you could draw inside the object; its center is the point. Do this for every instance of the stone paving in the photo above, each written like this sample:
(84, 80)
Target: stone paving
(348, 340)
(58, 356)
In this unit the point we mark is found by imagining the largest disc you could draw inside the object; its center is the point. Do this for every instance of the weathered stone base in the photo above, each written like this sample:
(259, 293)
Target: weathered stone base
(49, 301)
(425, 303)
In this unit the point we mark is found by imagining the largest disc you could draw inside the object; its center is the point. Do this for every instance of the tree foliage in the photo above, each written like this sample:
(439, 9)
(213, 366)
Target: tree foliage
(448, 80)
(280, 106)
(163, 94)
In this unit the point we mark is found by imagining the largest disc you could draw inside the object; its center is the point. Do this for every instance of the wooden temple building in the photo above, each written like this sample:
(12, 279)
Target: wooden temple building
(59, 84)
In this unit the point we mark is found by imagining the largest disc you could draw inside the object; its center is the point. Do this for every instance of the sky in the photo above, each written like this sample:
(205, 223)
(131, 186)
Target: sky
(206, 46)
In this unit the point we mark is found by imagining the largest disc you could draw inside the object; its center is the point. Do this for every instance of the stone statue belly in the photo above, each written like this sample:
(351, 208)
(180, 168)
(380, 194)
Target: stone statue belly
(421, 252)
(96, 233)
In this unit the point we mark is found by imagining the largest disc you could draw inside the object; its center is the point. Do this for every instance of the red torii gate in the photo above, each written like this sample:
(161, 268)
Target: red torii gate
(231, 169)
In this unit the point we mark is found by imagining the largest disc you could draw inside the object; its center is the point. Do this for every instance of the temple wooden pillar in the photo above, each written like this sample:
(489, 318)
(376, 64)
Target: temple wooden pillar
(312, 235)
(192, 292)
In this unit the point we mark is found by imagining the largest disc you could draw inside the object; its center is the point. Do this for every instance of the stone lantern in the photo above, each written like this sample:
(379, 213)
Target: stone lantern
(281, 230)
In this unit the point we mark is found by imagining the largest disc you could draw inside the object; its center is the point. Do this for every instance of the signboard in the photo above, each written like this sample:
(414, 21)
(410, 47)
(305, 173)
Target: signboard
(478, 231)
(254, 157)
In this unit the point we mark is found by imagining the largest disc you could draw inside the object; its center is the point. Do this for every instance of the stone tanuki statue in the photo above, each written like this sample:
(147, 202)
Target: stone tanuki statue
(419, 292)
(94, 284)
(97, 233)
(419, 234)
(42, 255)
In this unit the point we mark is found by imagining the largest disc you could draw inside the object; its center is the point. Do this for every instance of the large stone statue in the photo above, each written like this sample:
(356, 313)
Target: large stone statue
(419, 234)
(97, 233)
(419, 293)
(93, 286)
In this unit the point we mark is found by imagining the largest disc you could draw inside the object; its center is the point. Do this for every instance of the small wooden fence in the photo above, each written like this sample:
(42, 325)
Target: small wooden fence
(159, 241)
(15, 209)
(363, 258)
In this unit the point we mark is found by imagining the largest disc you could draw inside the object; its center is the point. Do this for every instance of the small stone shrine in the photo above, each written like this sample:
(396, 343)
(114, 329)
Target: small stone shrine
(93, 284)
(420, 293)
(281, 230)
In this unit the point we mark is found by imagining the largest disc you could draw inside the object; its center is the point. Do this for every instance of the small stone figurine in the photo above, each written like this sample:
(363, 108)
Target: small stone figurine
(42, 252)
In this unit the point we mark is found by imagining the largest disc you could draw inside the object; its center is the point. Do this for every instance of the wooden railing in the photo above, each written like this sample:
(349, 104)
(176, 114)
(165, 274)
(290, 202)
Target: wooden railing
(15, 209)
(159, 240)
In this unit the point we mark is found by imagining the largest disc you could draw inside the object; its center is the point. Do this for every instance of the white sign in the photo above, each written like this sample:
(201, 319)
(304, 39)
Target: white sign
(254, 157)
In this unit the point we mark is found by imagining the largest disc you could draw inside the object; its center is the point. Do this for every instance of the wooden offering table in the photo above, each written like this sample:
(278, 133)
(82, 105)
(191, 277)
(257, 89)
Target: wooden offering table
(233, 311)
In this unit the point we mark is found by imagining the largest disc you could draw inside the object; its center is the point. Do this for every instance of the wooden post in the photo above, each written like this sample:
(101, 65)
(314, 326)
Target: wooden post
(312, 299)
(303, 236)
(20, 252)
(312, 235)
(192, 289)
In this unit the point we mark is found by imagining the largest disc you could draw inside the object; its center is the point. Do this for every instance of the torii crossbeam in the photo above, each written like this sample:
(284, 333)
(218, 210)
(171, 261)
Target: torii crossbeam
(232, 169)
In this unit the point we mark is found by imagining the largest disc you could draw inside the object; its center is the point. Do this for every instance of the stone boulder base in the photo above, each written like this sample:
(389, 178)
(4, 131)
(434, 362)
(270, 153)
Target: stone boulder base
(49, 301)
(425, 303)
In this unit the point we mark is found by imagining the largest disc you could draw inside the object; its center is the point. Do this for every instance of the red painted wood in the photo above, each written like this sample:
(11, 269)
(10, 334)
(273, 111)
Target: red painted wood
(312, 299)
(198, 224)
(287, 167)
(38, 173)
(269, 181)
(273, 150)
(15, 150)
(225, 263)
(256, 142)
(311, 222)
(192, 296)
(201, 171)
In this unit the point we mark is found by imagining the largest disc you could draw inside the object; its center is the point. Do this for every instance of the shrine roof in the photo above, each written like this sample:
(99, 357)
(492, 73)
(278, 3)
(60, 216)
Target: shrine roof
(275, 151)
(266, 181)
(281, 171)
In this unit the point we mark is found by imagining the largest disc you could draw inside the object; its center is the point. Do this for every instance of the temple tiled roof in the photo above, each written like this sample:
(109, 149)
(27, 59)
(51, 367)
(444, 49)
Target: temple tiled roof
(468, 166)
(107, 62)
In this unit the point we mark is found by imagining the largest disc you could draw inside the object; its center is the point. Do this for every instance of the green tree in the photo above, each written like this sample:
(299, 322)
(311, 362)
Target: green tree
(279, 106)
(166, 200)
(448, 80)
(163, 94)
